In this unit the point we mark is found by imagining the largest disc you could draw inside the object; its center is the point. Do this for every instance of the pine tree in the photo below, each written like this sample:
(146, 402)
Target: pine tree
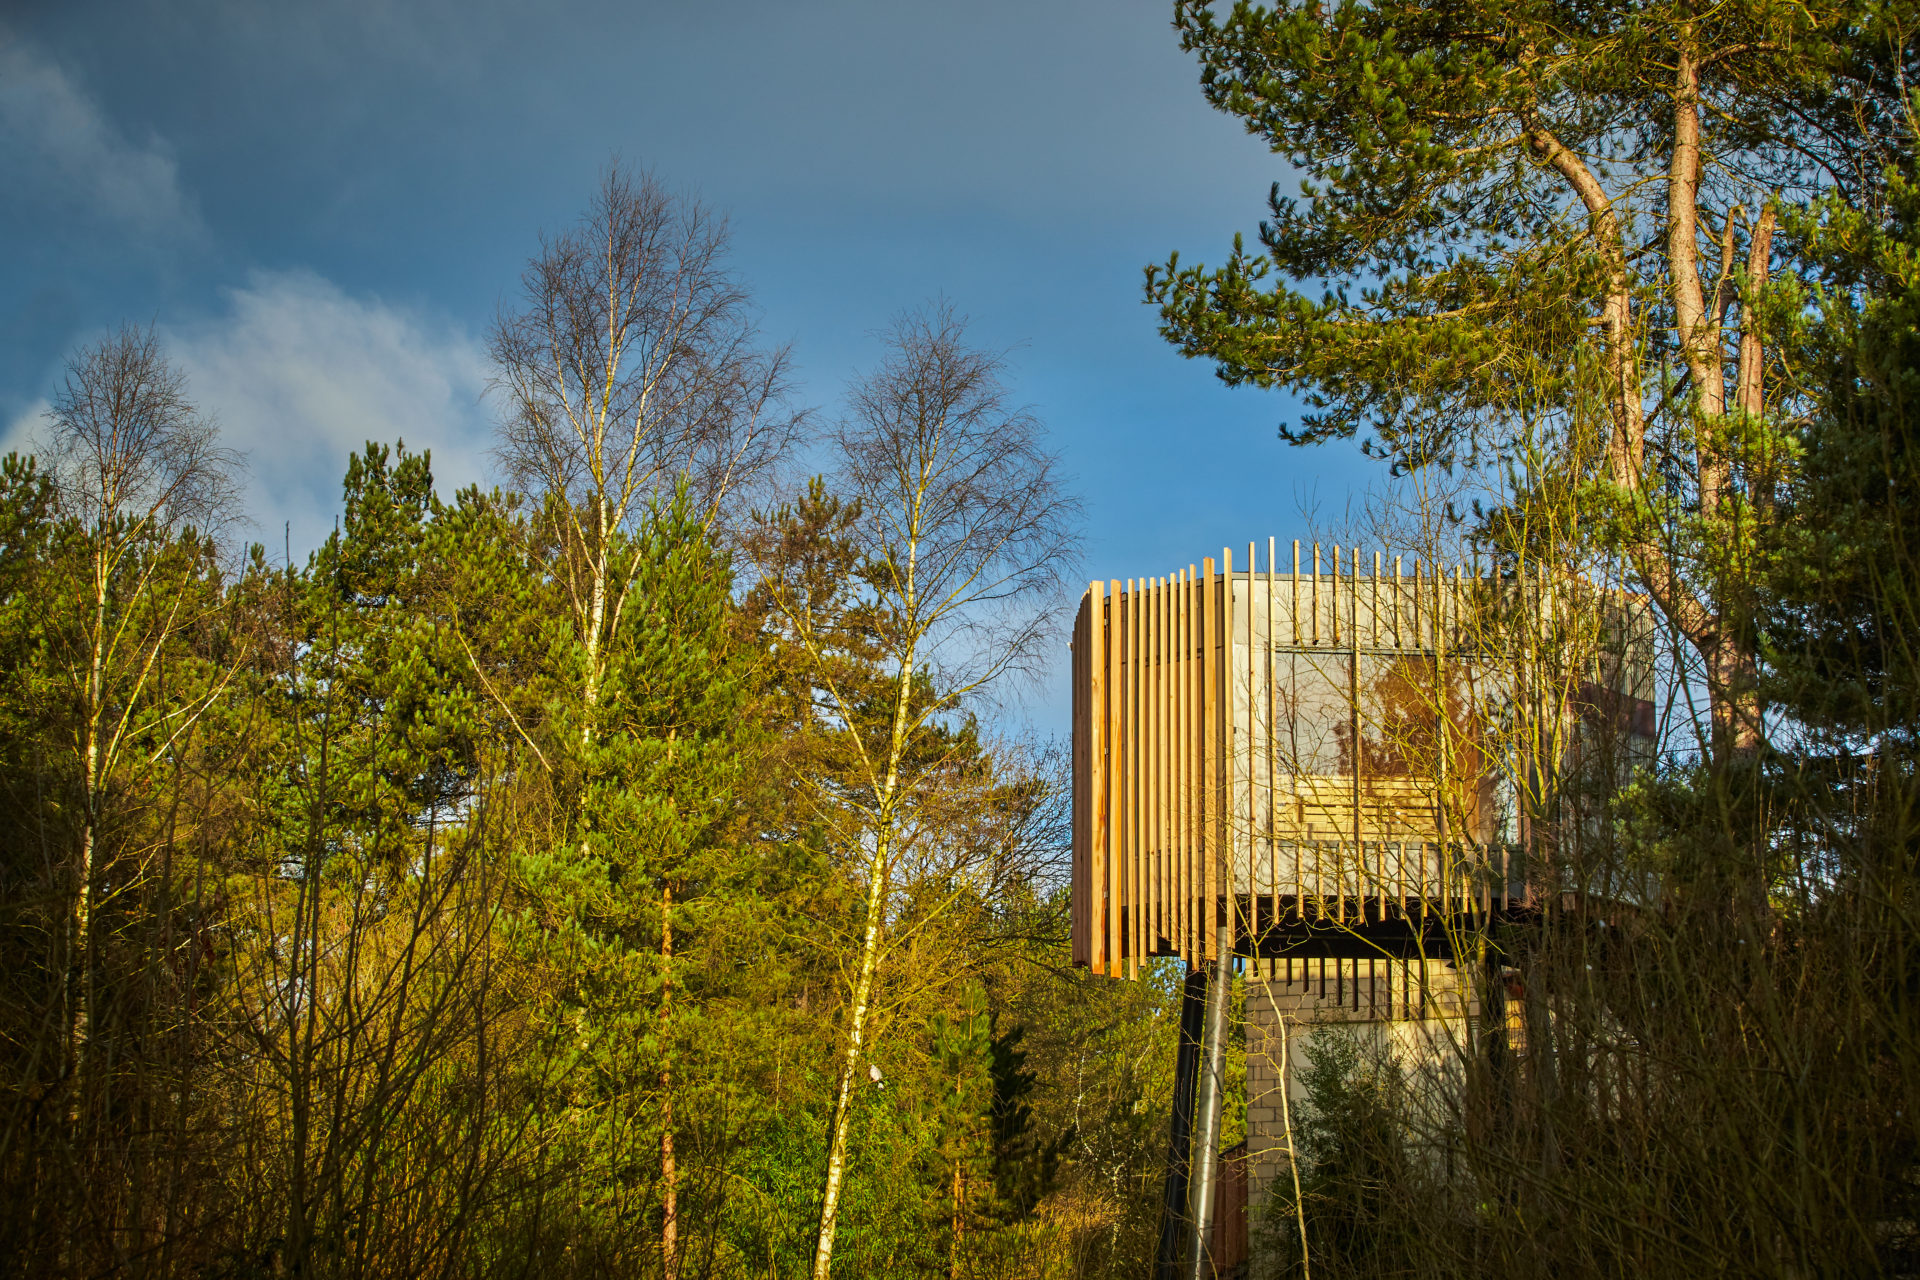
(1526, 213)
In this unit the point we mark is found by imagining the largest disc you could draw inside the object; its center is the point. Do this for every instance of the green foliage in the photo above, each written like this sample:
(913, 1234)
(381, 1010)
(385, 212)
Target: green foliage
(1843, 599)
(1460, 268)
(1356, 1170)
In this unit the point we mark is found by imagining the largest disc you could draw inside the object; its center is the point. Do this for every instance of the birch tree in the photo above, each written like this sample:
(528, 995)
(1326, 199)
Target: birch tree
(958, 530)
(136, 467)
(632, 362)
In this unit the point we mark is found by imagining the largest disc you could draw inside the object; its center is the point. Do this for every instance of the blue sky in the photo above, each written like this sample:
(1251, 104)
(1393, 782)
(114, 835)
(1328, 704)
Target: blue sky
(321, 206)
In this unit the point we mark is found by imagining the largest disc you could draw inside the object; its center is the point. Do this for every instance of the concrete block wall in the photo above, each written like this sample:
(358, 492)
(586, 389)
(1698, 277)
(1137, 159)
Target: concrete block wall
(1416, 1009)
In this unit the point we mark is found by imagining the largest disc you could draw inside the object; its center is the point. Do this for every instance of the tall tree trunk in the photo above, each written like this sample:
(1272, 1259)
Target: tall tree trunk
(79, 978)
(669, 1171)
(878, 869)
(850, 1059)
(953, 1248)
(595, 621)
(1729, 668)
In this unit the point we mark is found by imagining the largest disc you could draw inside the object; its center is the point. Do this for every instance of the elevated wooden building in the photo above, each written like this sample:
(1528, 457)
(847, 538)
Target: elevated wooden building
(1319, 760)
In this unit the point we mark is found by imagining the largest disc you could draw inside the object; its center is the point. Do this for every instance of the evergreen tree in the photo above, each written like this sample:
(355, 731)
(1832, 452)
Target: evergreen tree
(1847, 574)
(1538, 212)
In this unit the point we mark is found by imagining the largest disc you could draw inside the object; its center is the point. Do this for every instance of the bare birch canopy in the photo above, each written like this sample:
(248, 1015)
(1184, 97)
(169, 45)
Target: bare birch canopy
(1332, 752)
(634, 359)
(128, 444)
(969, 529)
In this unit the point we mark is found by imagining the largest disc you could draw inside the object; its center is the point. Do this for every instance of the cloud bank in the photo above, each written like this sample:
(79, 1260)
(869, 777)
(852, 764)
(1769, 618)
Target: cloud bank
(299, 374)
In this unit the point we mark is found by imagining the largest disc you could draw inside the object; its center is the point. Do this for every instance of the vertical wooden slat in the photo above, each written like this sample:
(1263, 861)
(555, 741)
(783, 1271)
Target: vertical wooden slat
(1136, 778)
(1168, 789)
(1169, 762)
(1143, 702)
(1359, 736)
(1182, 773)
(1253, 789)
(1185, 799)
(1267, 677)
(1219, 652)
(1190, 751)
(1333, 596)
(1150, 601)
(1089, 784)
(1293, 588)
(1341, 830)
(1123, 744)
(1116, 764)
(1314, 602)
(1398, 587)
(1103, 914)
(1123, 619)
(1097, 777)
(1090, 746)
(1116, 780)
(1374, 598)
(1142, 777)
(1160, 759)
(1209, 707)
(1166, 760)
(1193, 753)
(1376, 803)
(1421, 628)
(1293, 761)
(1078, 908)
(1417, 641)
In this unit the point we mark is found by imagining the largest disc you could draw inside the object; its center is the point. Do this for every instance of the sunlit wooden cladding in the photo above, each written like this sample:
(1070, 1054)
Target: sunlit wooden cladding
(1291, 743)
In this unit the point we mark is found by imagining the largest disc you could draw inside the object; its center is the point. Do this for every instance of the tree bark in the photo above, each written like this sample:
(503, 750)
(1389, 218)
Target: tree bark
(1729, 668)
(856, 1039)
(878, 869)
(595, 621)
(669, 1171)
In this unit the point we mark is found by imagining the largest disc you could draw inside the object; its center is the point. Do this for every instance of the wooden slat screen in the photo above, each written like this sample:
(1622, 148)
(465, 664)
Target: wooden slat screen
(1189, 800)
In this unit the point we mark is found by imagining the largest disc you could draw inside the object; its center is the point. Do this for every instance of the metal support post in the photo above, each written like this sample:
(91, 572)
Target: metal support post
(1186, 1072)
(1206, 1138)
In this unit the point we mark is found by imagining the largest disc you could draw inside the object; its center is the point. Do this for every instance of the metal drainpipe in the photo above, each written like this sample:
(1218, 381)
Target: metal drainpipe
(1206, 1136)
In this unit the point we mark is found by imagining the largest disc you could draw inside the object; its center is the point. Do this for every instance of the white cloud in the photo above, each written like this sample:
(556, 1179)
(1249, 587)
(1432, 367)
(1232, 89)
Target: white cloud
(299, 374)
(21, 433)
(58, 146)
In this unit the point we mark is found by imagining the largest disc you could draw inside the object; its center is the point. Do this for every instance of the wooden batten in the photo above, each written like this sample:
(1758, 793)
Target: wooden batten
(1186, 749)
(1097, 783)
(1076, 908)
(1116, 778)
(1206, 881)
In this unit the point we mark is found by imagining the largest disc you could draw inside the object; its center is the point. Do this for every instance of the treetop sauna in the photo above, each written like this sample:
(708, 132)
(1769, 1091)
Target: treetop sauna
(1307, 753)
(1283, 751)
(1338, 769)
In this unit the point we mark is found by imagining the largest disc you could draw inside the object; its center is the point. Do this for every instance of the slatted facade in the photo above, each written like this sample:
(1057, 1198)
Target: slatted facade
(1292, 743)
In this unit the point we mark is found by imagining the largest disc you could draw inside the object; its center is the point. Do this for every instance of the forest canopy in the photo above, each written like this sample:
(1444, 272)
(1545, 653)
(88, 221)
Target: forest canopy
(559, 879)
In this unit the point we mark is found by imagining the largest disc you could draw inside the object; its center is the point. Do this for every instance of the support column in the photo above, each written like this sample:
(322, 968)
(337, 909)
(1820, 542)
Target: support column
(1206, 1138)
(1186, 1072)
